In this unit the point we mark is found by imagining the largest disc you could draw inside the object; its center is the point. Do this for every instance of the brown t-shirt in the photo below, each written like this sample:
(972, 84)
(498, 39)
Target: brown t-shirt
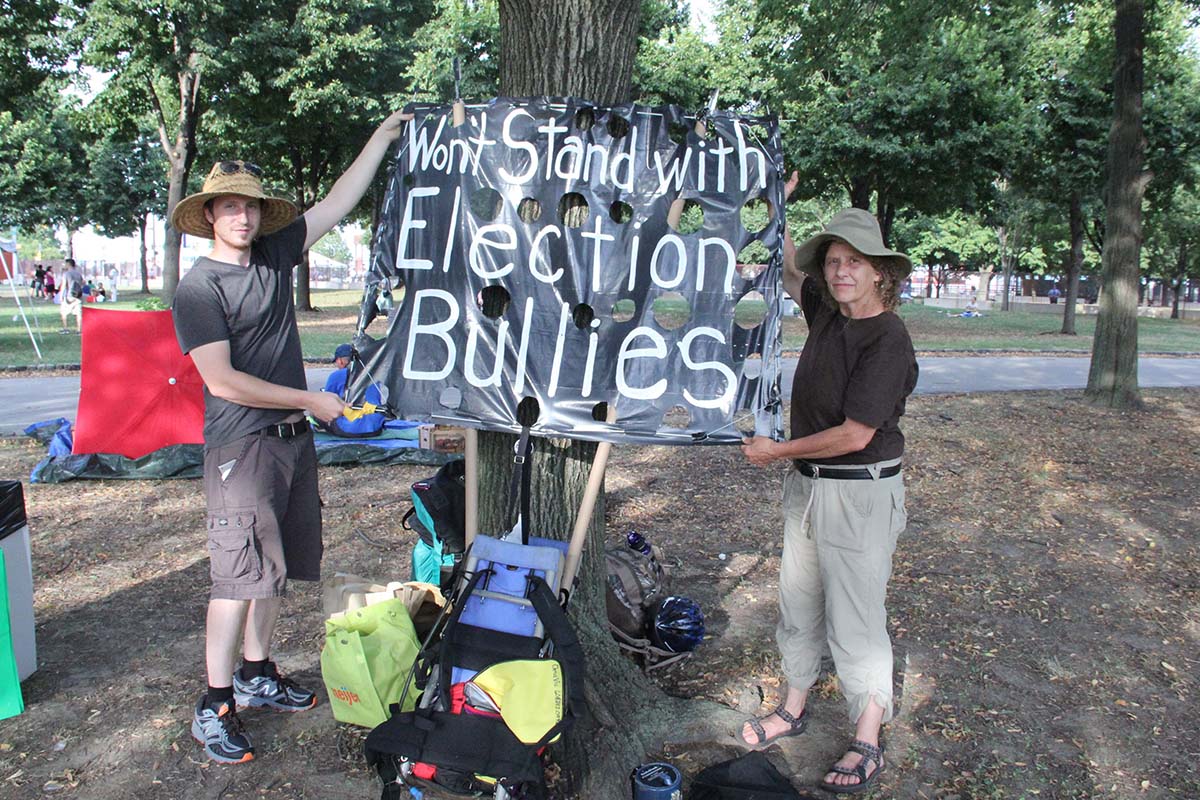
(251, 307)
(861, 369)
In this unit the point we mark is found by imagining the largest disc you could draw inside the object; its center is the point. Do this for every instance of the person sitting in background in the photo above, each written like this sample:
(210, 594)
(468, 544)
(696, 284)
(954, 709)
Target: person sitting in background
(98, 293)
(336, 382)
(972, 309)
(364, 426)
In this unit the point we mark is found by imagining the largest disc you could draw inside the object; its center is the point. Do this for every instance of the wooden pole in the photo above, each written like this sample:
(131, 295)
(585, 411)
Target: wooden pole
(586, 507)
(471, 481)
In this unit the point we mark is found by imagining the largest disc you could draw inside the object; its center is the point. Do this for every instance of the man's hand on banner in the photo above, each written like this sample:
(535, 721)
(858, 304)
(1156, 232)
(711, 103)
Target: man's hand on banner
(394, 124)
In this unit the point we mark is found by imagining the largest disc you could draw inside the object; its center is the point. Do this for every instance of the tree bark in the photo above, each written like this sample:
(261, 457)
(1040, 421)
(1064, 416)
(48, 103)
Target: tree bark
(1178, 284)
(1006, 265)
(985, 278)
(141, 253)
(580, 48)
(303, 287)
(860, 192)
(1112, 378)
(1074, 263)
(180, 155)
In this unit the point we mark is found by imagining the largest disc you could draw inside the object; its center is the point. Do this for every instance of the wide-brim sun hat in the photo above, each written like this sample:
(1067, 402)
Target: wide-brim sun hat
(860, 230)
(231, 177)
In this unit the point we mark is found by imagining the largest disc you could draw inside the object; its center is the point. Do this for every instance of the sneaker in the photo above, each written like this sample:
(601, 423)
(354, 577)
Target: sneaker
(271, 690)
(221, 732)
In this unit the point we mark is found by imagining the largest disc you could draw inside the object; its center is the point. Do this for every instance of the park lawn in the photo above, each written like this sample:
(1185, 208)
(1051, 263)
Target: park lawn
(1042, 612)
(932, 329)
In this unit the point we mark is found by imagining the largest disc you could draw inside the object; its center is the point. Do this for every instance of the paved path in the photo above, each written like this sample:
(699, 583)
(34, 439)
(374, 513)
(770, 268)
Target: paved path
(27, 400)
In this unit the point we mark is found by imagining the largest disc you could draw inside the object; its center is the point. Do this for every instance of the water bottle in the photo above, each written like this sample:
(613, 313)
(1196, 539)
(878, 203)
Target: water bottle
(656, 781)
(638, 542)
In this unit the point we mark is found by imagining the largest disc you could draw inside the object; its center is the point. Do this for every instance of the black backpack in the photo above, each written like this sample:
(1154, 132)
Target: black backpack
(439, 512)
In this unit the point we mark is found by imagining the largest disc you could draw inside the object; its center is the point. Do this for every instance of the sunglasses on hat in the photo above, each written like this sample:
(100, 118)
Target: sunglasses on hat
(235, 167)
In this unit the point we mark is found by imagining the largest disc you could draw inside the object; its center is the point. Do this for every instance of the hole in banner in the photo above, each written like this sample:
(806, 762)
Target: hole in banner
(750, 311)
(529, 209)
(671, 310)
(686, 216)
(494, 300)
(573, 210)
(583, 316)
(528, 411)
(623, 310)
(486, 203)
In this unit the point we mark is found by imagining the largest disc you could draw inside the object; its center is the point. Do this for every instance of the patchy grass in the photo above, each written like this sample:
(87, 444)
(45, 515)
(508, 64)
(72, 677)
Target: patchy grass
(932, 329)
(1044, 607)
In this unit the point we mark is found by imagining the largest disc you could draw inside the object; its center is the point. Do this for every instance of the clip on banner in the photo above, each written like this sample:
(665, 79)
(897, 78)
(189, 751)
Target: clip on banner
(562, 258)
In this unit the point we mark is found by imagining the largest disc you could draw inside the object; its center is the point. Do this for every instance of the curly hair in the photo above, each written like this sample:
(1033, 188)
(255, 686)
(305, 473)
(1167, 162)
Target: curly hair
(891, 275)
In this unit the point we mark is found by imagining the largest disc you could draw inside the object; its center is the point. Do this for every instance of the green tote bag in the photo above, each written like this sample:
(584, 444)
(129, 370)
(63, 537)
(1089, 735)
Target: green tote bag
(367, 661)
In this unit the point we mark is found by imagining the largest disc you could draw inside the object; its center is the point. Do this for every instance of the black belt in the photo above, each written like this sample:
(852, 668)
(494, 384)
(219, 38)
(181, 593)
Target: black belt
(844, 473)
(286, 430)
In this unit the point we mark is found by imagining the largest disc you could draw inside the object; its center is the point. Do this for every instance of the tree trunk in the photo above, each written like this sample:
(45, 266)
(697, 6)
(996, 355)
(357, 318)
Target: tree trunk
(985, 278)
(1006, 265)
(1178, 285)
(180, 155)
(1112, 378)
(581, 48)
(142, 267)
(885, 215)
(303, 288)
(860, 192)
(1074, 263)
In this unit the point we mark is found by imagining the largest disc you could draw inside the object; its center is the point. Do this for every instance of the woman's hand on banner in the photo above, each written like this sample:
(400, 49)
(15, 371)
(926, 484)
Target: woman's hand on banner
(759, 450)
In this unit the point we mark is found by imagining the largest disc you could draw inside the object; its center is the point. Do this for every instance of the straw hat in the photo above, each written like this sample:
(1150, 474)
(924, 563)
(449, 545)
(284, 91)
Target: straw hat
(860, 230)
(231, 177)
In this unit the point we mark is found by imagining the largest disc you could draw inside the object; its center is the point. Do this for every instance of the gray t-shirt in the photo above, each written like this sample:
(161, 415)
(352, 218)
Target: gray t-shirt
(251, 307)
(72, 282)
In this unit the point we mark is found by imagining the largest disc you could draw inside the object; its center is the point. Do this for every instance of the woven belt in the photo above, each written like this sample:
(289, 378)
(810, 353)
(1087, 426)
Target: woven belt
(286, 430)
(844, 473)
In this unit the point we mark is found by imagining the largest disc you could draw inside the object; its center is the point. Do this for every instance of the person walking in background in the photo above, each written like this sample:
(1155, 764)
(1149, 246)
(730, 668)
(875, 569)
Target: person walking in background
(73, 291)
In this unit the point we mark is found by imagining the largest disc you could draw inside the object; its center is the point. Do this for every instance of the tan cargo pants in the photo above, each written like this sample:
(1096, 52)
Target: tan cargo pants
(838, 540)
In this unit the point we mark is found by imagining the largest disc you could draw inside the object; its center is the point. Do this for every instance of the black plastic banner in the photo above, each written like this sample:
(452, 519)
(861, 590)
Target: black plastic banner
(559, 260)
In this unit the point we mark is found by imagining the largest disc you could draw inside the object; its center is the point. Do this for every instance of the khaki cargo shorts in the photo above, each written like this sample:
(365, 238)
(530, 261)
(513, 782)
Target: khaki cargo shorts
(264, 515)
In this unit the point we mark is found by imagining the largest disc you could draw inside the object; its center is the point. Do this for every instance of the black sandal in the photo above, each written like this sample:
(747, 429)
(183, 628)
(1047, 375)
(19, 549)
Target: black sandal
(796, 726)
(869, 752)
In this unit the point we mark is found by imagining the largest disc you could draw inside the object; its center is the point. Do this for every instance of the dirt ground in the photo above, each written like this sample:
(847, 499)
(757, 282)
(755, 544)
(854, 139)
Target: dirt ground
(1045, 610)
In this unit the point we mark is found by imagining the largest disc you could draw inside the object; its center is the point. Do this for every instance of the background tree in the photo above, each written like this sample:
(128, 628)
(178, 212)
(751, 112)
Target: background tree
(904, 105)
(332, 246)
(164, 58)
(1072, 67)
(306, 94)
(469, 32)
(1112, 376)
(125, 185)
(43, 164)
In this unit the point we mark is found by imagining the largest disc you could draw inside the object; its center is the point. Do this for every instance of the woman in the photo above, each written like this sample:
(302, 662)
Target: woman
(844, 496)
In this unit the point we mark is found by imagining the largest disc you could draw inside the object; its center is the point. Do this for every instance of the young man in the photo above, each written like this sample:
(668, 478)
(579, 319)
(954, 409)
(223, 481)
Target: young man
(72, 296)
(234, 314)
